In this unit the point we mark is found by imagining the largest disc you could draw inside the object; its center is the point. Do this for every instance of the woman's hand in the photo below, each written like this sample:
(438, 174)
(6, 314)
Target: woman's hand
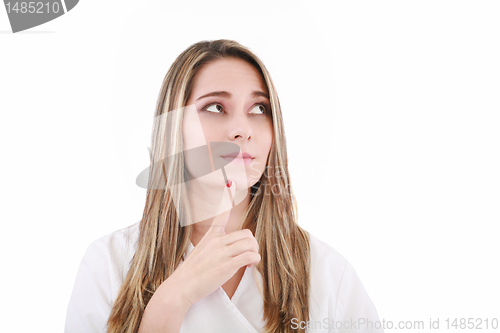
(215, 259)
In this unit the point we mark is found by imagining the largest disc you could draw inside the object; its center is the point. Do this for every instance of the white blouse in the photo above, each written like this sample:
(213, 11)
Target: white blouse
(338, 301)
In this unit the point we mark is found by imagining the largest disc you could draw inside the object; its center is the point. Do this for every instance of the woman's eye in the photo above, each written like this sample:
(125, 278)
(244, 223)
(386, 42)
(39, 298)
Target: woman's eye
(217, 108)
(259, 108)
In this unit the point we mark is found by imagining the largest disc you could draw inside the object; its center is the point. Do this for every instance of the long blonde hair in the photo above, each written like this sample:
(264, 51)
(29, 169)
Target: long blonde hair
(272, 217)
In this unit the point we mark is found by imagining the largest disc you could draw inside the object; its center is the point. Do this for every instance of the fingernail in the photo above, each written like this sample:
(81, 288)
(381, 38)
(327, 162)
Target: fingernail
(229, 183)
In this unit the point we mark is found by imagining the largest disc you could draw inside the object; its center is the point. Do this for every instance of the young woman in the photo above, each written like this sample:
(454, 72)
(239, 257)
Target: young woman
(218, 248)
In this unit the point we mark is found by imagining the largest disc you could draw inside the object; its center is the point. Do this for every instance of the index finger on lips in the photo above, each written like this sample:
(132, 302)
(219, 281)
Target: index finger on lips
(220, 221)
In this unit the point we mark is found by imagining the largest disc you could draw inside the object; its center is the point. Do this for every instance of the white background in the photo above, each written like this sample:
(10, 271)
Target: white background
(392, 117)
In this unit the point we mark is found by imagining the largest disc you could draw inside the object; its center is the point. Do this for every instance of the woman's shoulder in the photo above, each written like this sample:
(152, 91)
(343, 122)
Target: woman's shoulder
(325, 257)
(119, 238)
(100, 275)
(115, 250)
(326, 261)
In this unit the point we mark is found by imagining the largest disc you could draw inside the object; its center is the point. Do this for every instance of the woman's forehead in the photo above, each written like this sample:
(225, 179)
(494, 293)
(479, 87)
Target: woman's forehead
(227, 74)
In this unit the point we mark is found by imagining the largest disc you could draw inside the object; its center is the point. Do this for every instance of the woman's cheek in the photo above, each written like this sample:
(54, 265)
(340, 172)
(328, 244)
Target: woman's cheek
(193, 131)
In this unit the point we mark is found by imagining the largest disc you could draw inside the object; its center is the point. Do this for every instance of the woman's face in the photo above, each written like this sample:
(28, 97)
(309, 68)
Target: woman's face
(230, 101)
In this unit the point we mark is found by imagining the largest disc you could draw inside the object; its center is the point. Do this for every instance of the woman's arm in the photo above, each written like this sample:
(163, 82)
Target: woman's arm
(90, 302)
(354, 307)
(166, 310)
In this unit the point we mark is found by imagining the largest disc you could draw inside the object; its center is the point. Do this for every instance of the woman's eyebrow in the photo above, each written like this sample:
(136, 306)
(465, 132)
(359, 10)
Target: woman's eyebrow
(226, 94)
(260, 93)
(216, 93)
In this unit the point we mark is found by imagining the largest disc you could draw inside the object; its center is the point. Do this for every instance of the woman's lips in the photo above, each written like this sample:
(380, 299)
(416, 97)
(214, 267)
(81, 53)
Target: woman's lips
(238, 159)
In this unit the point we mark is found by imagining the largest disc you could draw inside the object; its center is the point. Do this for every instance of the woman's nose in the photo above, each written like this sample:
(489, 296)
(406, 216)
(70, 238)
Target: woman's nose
(239, 127)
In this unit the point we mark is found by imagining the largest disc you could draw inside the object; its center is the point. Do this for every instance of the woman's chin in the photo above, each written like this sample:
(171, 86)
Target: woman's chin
(242, 179)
